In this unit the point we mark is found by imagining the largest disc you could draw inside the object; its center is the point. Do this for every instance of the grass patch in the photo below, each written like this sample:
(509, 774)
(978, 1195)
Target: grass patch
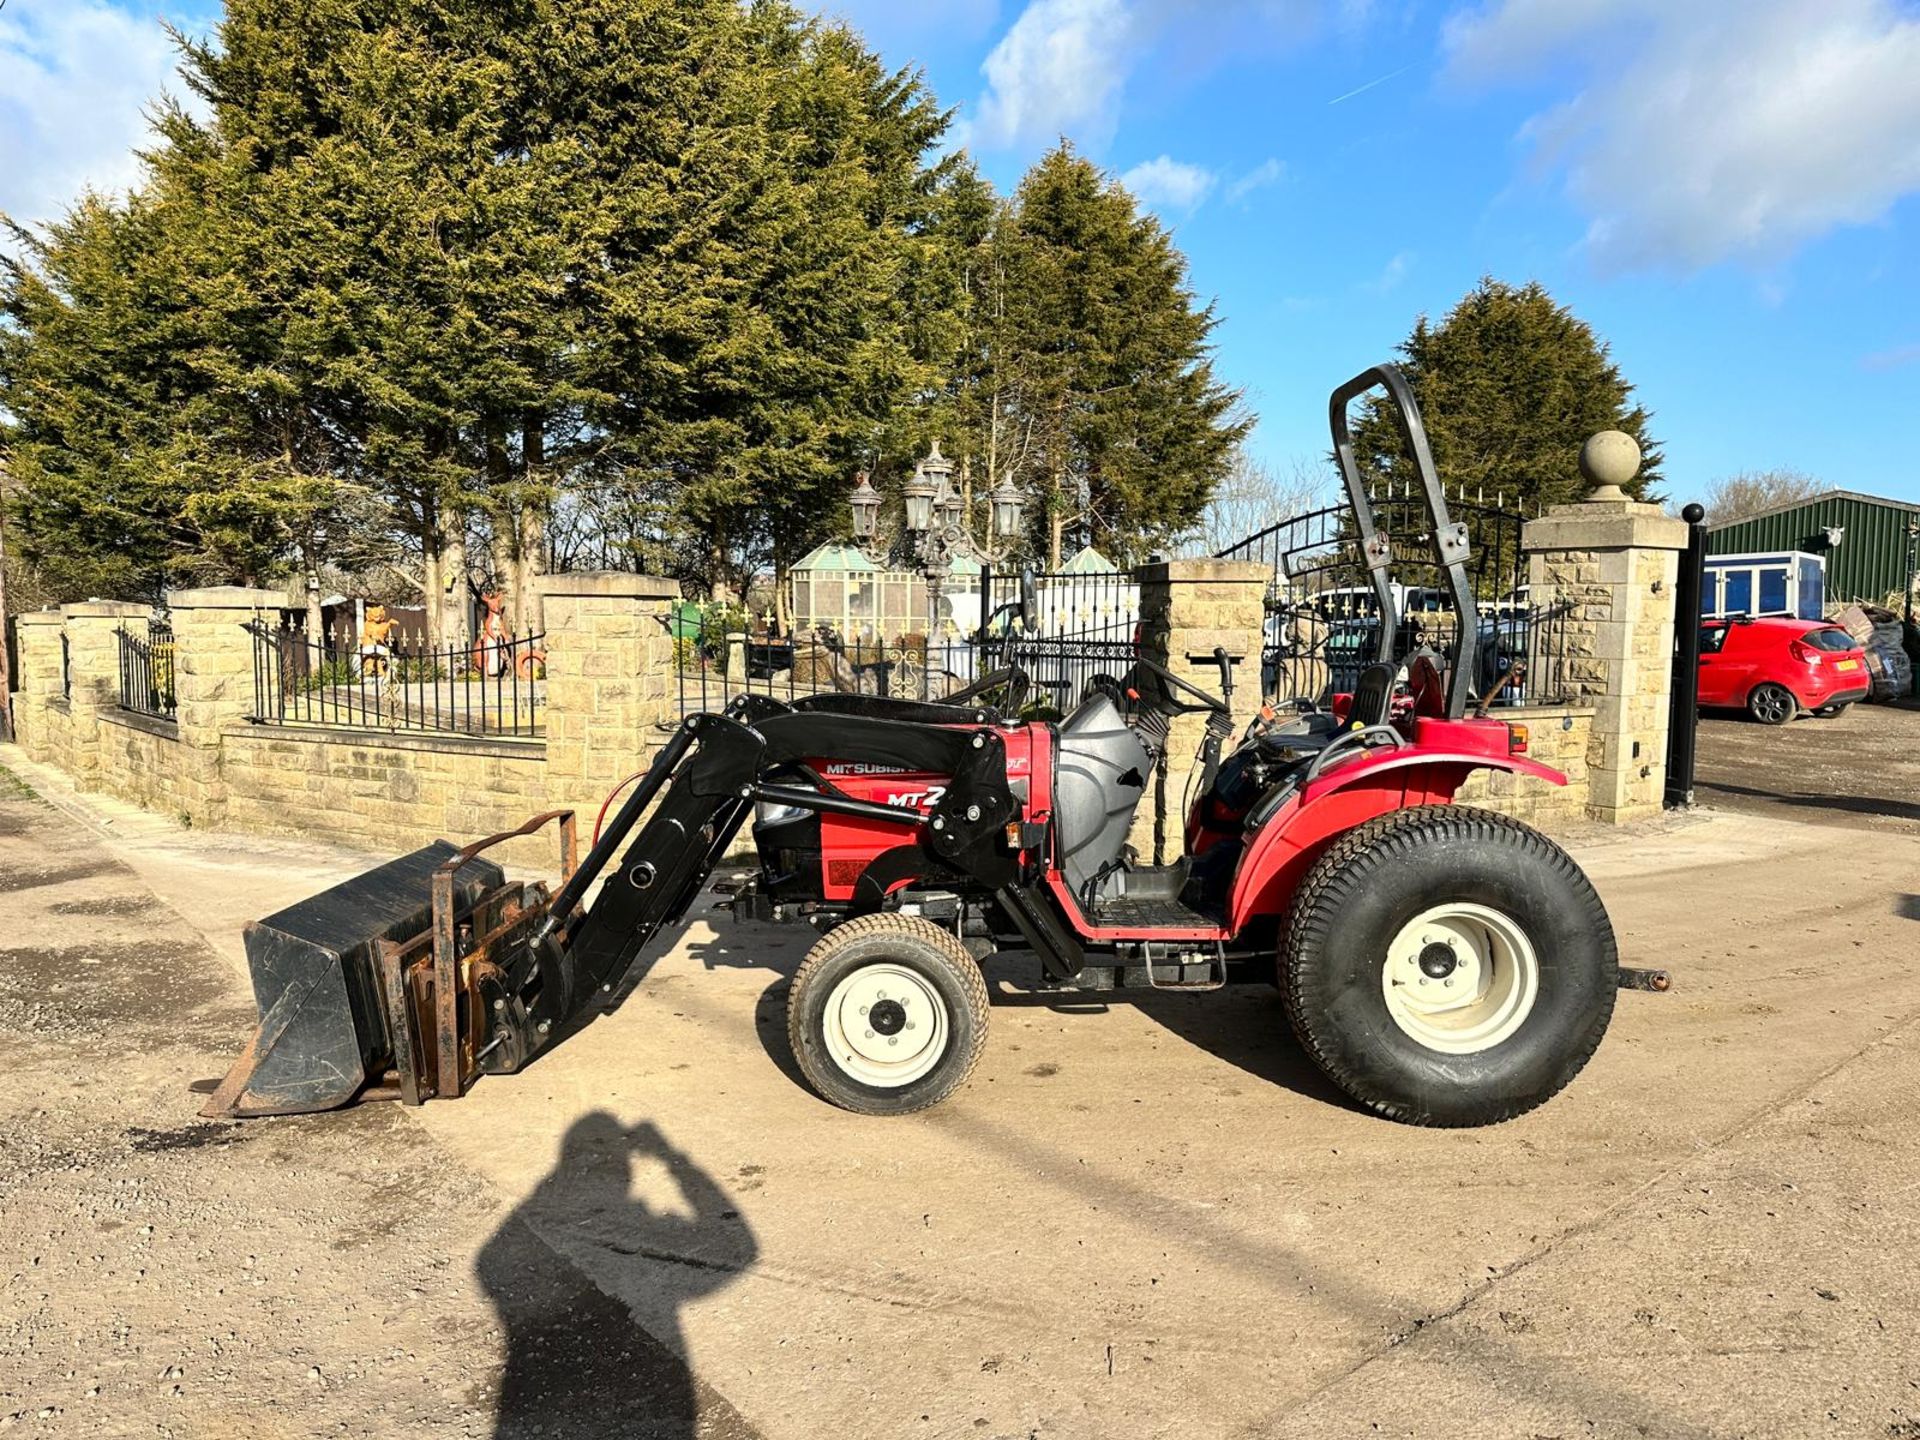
(12, 787)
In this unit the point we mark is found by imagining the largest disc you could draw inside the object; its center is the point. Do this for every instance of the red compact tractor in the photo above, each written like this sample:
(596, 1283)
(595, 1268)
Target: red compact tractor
(1443, 965)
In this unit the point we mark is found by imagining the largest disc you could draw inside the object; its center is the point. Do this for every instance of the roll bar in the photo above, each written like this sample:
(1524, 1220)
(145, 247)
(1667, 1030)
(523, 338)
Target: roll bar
(1449, 540)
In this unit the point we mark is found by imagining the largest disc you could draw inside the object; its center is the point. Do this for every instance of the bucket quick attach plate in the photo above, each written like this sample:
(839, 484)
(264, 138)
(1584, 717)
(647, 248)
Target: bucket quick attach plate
(316, 979)
(385, 985)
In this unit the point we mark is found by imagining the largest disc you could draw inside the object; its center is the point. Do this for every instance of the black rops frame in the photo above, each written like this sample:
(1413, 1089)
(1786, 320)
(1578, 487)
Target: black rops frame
(1450, 545)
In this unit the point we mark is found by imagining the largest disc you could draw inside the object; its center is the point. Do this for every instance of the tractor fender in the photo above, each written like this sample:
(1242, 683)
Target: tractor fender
(1280, 852)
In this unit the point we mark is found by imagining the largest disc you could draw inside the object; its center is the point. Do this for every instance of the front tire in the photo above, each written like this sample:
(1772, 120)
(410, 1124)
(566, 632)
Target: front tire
(887, 1015)
(1772, 704)
(1448, 966)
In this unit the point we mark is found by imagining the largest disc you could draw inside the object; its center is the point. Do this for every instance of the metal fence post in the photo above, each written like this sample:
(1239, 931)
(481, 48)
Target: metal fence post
(1683, 725)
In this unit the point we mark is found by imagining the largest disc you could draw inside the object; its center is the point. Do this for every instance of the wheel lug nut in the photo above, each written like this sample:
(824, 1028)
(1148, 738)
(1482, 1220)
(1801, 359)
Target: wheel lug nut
(869, 1034)
(909, 1024)
(893, 1039)
(863, 1009)
(1448, 982)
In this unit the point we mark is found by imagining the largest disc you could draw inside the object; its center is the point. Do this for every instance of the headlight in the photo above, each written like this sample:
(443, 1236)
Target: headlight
(767, 813)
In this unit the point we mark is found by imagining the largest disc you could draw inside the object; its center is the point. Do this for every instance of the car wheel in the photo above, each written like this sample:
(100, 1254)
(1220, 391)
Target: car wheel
(1448, 966)
(1772, 704)
(887, 1015)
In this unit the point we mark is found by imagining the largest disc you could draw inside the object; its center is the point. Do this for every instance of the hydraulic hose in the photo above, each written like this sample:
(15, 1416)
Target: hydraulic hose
(607, 803)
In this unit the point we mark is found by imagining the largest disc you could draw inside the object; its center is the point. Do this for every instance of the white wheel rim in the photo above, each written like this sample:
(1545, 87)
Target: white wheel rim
(1460, 978)
(885, 1026)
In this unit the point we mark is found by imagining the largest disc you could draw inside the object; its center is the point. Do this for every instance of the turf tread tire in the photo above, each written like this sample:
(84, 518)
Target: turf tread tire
(1339, 871)
(969, 1042)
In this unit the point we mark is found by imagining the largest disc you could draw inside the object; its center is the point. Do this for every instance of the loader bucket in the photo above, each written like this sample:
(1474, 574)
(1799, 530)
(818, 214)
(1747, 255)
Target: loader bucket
(324, 1031)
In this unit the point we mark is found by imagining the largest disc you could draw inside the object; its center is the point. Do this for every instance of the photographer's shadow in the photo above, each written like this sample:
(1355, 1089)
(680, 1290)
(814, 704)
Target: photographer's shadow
(579, 1361)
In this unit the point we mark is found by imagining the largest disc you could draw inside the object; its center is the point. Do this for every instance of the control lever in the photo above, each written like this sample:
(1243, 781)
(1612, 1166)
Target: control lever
(1220, 721)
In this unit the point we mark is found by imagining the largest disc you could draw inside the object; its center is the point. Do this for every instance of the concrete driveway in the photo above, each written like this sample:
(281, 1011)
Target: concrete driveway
(1140, 1220)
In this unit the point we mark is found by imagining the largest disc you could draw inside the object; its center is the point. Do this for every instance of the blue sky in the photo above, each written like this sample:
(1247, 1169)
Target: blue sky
(1725, 189)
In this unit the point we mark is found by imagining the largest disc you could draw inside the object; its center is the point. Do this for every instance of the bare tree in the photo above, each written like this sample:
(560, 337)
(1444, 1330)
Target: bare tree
(1734, 497)
(1252, 496)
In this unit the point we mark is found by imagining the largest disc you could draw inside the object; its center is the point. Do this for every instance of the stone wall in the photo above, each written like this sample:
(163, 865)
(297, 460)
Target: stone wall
(1558, 737)
(1188, 608)
(609, 703)
(387, 791)
(1615, 564)
(139, 759)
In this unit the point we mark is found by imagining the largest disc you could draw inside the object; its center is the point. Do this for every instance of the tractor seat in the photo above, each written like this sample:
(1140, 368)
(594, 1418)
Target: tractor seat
(1372, 696)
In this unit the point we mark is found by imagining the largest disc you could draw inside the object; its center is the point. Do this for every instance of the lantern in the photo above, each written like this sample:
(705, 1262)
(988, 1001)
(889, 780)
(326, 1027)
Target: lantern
(1007, 507)
(865, 504)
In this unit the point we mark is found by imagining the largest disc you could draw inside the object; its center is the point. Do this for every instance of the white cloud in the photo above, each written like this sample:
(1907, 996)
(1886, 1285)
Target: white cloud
(1892, 359)
(1063, 66)
(1171, 183)
(1059, 69)
(1713, 129)
(75, 77)
(1391, 274)
(1267, 172)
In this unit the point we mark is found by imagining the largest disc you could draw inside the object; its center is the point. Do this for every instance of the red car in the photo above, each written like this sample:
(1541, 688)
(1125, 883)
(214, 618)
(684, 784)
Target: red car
(1776, 667)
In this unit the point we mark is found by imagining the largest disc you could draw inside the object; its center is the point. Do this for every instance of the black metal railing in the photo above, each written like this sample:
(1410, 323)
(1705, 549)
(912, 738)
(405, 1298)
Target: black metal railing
(146, 670)
(1323, 614)
(1064, 629)
(492, 687)
(713, 663)
(1060, 629)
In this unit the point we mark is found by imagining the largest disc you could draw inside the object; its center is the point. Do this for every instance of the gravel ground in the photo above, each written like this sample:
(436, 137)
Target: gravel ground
(1860, 770)
(332, 1275)
(1147, 1220)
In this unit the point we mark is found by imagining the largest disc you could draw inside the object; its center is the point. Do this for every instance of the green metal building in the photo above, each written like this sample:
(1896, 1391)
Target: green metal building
(1868, 542)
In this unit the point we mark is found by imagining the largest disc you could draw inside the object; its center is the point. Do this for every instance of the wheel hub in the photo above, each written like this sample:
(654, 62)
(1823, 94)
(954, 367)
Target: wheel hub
(1460, 978)
(886, 1025)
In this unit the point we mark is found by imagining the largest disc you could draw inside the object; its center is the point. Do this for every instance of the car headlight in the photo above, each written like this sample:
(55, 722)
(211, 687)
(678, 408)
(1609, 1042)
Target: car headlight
(769, 813)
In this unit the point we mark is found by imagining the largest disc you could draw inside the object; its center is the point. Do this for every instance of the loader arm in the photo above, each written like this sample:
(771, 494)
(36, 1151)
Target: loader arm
(711, 773)
(436, 968)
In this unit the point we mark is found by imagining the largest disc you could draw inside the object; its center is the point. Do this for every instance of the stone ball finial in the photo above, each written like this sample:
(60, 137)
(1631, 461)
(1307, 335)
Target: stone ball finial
(1609, 459)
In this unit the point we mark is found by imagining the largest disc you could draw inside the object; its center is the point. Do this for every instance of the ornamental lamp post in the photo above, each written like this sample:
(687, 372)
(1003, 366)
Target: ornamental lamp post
(937, 529)
(1007, 503)
(865, 505)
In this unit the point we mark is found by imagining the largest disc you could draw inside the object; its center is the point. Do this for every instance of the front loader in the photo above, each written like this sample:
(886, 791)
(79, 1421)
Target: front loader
(1443, 965)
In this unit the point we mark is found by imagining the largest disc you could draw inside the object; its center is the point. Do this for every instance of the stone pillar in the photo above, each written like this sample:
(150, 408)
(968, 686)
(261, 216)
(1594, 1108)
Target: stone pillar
(40, 708)
(93, 667)
(1615, 560)
(213, 678)
(1187, 608)
(610, 680)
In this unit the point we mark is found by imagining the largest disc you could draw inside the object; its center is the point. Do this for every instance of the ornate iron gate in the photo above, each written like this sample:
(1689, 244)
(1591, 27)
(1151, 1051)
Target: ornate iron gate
(1323, 615)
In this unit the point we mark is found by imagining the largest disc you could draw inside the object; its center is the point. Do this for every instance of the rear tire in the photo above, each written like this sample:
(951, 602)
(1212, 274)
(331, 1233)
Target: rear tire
(1772, 704)
(887, 1015)
(1443, 894)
